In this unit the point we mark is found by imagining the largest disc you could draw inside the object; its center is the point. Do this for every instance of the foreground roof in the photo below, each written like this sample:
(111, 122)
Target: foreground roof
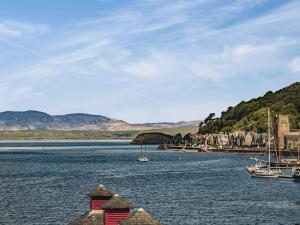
(100, 191)
(140, 217)
(117, 202)
(90, 218)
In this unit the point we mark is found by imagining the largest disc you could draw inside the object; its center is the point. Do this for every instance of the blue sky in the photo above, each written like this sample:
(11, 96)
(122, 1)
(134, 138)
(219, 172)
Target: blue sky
(145, 61)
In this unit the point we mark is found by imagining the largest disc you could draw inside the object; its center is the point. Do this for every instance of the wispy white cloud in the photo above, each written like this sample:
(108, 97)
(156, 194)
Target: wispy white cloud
(295, 65)
(16, 29)
(160, 44)
(97, 42)
(16, 93)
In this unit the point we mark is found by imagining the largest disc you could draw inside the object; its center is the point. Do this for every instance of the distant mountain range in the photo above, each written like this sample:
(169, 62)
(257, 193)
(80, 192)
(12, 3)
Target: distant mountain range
(35, 120)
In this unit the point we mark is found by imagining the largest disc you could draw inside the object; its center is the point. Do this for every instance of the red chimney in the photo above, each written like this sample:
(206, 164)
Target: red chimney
(116, 210)
(99, 196)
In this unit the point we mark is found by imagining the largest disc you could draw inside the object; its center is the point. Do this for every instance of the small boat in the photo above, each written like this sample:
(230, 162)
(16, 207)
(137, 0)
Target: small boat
(267, 172)
(143, 157)
(254, 169)
(296, 173)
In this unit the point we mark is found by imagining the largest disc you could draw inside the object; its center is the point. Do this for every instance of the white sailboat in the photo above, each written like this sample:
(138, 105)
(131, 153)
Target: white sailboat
(268, 172)
(143, 157)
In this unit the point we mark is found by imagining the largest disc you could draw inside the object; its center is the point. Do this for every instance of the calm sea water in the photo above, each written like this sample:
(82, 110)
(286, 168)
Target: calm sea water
(49, 186)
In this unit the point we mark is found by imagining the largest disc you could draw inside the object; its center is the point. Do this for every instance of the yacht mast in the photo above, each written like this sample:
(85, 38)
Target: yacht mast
(269, 137)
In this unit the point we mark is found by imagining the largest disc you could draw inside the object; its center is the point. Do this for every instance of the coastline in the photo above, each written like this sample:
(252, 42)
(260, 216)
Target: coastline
(62, 140)
(40, 145)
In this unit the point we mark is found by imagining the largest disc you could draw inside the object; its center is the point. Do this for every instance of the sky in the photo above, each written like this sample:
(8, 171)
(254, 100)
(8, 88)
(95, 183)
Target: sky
(145, 61)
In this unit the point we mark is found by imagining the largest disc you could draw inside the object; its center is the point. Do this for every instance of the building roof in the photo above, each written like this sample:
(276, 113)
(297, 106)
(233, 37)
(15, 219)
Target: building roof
(100, 191)
(90, 218)
(292, 137)
(140, 217)
(117, 202)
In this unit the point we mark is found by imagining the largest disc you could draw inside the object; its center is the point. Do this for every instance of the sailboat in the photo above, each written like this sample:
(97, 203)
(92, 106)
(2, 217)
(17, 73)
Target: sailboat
(268, 172)
(143, 157)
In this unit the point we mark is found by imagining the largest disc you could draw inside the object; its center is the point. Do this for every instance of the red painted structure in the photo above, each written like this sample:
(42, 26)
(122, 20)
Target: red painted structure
(114, 216)
(99, 196)
(96, 202)
(116, 210)
(111, 209)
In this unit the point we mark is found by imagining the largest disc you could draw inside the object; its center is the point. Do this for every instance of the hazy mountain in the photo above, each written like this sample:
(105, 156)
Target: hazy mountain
(35, 120)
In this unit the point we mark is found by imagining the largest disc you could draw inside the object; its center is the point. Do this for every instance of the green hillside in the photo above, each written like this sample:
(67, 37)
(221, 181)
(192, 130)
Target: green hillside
(152, 138)
(252, 115)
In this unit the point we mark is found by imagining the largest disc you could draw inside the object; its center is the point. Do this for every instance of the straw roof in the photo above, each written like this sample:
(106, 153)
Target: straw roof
(140, 217)
(89, 218)
(117, 202)
(100, 191)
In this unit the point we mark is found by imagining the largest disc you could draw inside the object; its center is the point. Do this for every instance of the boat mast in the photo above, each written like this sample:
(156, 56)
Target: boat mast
(269, 137)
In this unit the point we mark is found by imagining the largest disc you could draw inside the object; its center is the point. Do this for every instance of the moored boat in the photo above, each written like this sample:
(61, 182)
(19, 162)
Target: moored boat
(296, 173)
(268, 172)
(143, 157)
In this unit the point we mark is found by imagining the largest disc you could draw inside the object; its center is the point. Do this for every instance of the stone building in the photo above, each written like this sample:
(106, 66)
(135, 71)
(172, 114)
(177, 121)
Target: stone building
(285, 138)
(238, 139)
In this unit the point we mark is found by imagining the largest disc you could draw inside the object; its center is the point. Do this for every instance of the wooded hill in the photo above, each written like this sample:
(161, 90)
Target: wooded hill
(252, 115)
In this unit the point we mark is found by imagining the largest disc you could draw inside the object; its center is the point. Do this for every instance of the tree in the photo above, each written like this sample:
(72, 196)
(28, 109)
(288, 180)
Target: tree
(209, 118)
(177, 138)
(201, 126)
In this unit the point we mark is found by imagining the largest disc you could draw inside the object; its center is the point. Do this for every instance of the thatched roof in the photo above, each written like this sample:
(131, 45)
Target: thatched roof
(117, 202)
(295, 138)
(100, 191)
(90, 218)
(140, 217)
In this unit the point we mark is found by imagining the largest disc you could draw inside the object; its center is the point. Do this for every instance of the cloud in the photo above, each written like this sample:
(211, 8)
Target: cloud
(118, 43)
(148, 47)
(16, 29)
(16, 93)
(295, 65)
(243, 60)
(155, 64)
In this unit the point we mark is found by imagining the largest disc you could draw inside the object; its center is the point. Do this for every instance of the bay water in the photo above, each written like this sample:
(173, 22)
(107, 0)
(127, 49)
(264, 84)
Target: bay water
(45, 183)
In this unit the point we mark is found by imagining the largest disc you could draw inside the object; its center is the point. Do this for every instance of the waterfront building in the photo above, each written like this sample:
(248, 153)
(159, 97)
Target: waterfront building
(292, 142)
(107, 208)
(248, 139)
(285, 138)
(238, 139)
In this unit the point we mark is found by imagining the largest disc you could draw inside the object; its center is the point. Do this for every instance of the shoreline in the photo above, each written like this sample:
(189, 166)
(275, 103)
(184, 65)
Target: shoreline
(190, 149)
(63, 140)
